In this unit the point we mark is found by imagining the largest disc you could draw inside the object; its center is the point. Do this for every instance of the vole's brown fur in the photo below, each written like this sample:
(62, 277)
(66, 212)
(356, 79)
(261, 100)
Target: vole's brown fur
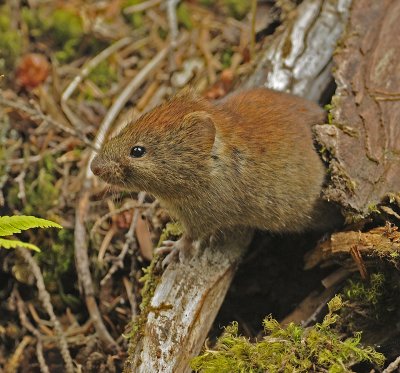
(246, 161)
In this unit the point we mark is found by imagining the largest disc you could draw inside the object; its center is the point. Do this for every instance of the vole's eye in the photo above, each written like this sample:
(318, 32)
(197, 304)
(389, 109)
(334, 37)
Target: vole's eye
(138, 151)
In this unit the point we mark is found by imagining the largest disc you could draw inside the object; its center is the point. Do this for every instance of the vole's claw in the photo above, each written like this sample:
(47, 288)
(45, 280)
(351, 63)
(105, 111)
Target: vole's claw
(166, 248)
(169, 249)
(175, 251)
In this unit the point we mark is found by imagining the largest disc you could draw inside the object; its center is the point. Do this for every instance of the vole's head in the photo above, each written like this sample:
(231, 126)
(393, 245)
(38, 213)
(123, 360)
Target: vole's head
(166, 152)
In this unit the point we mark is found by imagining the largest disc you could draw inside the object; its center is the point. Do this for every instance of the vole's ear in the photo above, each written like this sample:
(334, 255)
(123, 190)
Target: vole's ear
(200, 123)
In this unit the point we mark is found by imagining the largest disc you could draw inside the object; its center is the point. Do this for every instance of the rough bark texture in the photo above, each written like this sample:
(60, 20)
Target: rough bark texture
(364, 138)
(189, 295)
(379, 242)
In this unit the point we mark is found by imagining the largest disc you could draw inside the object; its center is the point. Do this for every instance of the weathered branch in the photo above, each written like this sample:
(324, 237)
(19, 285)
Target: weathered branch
(298, 58)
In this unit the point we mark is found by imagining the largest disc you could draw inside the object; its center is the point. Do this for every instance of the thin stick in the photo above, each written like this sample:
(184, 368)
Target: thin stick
(253, 27)
(87, 68)
(173, 30)
(26, 324)
(130, 240)
(44, 297)
(392, 366)
(34, 113)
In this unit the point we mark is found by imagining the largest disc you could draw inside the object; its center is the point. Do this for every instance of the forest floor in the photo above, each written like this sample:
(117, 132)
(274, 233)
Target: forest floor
(65, 68)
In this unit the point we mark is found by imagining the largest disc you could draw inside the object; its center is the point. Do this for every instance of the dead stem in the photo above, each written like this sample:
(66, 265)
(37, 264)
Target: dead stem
(44, 296)
(173, 30)
(26, 324)
(35, 114)
(85, 71)
(130, 241)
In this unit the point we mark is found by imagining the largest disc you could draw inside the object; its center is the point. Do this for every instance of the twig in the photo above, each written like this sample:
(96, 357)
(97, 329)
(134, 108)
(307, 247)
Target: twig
(26, 324)
(87, 68)
(392, 366)
(44, 297)
(13, 363)
(36, 158)
(141, 6)
(253, 27)
(34, 113)
(82, 267)
(130, 240)
(127, 206)
(173, 30)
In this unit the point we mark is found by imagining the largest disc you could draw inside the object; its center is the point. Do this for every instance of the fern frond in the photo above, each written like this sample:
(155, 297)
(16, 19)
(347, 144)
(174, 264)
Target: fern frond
(15, 224)
(12, 244)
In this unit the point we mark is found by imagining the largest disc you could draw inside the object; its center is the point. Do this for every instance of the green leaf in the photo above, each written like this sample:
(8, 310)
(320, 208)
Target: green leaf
(12, 244)
(15, 224)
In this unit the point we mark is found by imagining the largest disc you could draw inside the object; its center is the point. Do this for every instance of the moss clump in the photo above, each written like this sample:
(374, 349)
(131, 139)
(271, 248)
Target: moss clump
(63, 26)
(226, 58)
(184, 17)
(237, 8)
(42, 191)
(104, 74)
(371, 304)
(10, 42)
(67, 30)
(135, 19)
(290, 349)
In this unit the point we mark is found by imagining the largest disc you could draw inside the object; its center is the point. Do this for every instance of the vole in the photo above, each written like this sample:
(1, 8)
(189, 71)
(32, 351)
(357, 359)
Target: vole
(248, 160)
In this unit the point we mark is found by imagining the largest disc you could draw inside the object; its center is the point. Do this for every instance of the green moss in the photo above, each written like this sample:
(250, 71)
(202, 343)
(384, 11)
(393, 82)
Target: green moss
(67, 30)
(207, 2)
(290, 349)
(42, 195)
(238, 8)
(104, 74)
(10, 42)
(184, 17)
(373, 208)
(370, 304)
(329, 108)
(63, 26)
(368, 292)
(135, 19)
(66, 26)
(226, 58)
(42, 192)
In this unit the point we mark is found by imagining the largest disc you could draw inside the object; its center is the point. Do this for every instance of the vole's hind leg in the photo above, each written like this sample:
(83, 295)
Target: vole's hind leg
(181, 249)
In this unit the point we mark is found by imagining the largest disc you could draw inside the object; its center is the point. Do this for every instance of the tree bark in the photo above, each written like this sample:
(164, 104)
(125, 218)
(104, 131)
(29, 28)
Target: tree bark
(185, 303)
(364, 136)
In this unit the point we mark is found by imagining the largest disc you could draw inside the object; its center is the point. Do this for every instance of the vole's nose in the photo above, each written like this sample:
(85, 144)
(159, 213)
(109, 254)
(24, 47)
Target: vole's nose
(95, 166)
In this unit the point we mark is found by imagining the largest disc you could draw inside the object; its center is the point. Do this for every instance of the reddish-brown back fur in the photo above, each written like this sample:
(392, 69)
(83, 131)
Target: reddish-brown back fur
(246, 161)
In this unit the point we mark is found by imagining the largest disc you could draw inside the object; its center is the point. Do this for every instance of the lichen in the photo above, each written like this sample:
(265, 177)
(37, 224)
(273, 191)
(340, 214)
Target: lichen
(289, 349)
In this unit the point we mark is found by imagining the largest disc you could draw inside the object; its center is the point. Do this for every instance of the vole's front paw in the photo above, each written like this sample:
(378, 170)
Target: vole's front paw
(169, 249)
(175, 250)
